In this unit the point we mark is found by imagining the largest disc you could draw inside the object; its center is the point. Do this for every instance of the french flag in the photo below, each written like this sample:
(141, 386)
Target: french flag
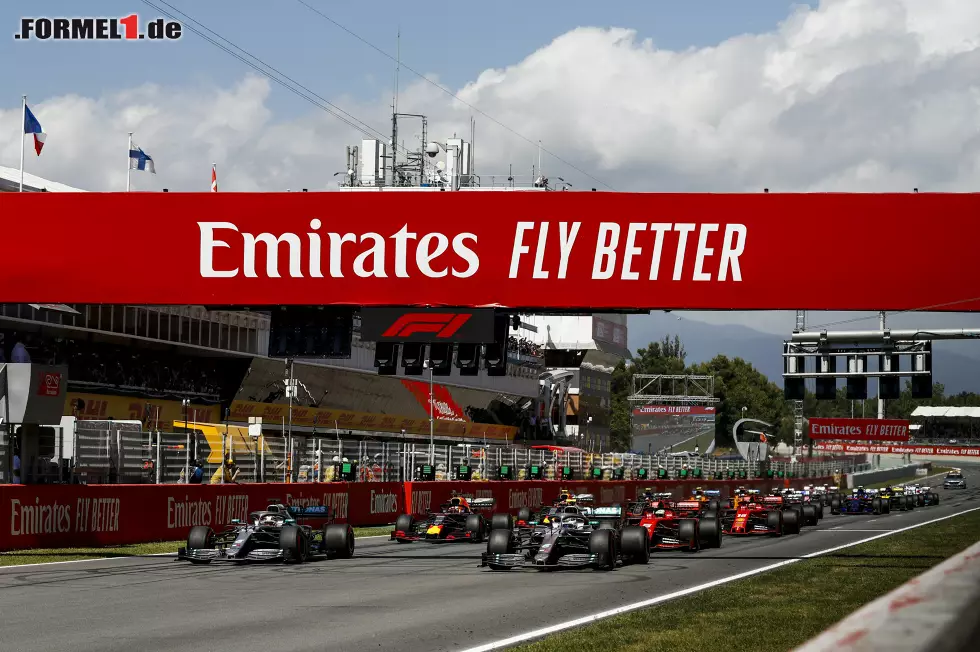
(32, 126)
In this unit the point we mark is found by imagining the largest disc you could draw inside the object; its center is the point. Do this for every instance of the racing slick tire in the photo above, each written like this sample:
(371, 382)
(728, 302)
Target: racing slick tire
(935, 499)
(809, 515)
(835, 505)
(523, 514)
(819, 509)
(603, 543)
(714, 505)
(886, 507)
(910, 503)
(635, 545)
(709, 515)
(920, 500)
(338, 540)
(404, 523)
(688, 530)
(476, 526)
(902, 503)
(502, 522)
(294, 544)
(791, 522)
(876, 506)
(500, 542)
(774, 521)
(200, 537)
(710, 532)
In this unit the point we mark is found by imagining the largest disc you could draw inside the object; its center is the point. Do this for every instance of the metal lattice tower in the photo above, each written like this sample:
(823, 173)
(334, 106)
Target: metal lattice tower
(798, 405)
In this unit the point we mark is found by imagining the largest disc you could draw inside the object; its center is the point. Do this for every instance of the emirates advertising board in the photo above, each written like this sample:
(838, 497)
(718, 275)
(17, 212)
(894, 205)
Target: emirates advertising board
(535, 251)
(894, 430)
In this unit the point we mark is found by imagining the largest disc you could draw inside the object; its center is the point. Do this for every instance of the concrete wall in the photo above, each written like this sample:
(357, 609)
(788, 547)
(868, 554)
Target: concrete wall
(865, 478)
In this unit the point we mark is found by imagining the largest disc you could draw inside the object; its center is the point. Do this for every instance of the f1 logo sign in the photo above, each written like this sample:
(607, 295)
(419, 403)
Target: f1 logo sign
(443, 324)
(427, 325)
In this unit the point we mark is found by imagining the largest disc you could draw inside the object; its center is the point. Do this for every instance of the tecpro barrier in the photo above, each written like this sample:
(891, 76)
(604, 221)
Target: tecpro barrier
(54, 516)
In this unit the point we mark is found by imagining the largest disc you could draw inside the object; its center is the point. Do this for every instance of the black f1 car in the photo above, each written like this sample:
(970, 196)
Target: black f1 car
(585, 538)
(271, 535)
(457, 520)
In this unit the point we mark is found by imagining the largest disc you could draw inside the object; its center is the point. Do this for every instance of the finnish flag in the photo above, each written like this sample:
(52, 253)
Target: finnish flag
(140, 160)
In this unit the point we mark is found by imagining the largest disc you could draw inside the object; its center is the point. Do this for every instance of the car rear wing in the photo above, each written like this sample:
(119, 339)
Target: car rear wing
(584, 498)
(713, 493)
(606, 513)
(688, 505)
(483, 503)
(773, 500)
(308, 511)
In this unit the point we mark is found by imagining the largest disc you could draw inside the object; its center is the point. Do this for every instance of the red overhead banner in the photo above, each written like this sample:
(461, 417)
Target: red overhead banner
(590, 250)
(863, 429)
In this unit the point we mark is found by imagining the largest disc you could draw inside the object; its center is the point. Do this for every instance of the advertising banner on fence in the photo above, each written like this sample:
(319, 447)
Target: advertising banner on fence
(951, 451)
(594, 250)
(860, 429)
(156, 414)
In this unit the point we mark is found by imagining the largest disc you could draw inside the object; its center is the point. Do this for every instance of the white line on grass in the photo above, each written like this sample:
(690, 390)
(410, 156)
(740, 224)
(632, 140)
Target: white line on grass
(585, 620)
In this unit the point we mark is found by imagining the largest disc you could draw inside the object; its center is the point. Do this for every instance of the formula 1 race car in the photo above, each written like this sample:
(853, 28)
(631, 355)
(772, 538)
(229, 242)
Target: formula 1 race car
(672, 525)
(569, 540)
(458, 520)
(924, 496)
(809, 513)
(525, 516)
(898, 499)
(861, 501)
(271, 535)
(754, 514)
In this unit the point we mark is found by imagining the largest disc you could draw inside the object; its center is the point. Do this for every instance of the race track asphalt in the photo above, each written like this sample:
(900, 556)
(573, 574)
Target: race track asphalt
(389, 597)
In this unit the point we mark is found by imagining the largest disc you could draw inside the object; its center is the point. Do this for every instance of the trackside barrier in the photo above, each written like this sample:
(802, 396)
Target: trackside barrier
(863, 478)
(936, 611)
(54, 516)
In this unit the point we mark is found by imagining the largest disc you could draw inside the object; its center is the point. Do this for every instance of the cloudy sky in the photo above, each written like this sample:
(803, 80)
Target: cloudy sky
(651, 95)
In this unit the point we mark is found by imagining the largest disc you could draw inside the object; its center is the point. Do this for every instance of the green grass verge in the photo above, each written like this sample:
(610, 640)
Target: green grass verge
(40, 556)
(784, 608)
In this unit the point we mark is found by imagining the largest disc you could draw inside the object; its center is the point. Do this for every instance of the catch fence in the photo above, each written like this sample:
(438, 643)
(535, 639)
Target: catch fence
(136, 457)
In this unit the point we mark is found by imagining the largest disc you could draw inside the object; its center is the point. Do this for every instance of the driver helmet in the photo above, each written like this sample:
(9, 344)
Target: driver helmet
(661, 512)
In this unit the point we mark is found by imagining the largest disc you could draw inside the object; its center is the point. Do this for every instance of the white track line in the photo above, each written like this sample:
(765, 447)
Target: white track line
(117, 558)
(585, 620)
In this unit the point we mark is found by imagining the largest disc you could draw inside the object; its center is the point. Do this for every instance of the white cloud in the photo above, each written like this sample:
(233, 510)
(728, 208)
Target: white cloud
(858, 95)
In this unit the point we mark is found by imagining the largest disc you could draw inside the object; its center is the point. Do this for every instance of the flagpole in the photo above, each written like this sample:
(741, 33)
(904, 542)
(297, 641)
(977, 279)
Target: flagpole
(23, 121)
(129, 162)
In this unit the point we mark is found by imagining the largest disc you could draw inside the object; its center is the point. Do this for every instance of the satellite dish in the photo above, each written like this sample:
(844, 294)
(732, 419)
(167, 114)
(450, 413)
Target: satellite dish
(432, 149)
(441, 165)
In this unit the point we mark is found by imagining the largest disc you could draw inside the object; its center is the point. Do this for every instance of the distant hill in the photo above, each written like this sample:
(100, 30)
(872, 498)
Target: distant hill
(954, 364)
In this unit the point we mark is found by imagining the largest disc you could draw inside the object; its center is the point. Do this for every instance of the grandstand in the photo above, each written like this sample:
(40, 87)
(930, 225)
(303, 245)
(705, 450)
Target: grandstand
(946, 425)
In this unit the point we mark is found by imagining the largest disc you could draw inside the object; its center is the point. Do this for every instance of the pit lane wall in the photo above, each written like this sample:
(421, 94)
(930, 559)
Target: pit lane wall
(54, 516)
(934, 611)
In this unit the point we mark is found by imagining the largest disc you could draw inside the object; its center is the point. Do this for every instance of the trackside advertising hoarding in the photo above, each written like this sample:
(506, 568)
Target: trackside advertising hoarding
(859, 429)
(586, 250)
(950, 451)
(48, 516)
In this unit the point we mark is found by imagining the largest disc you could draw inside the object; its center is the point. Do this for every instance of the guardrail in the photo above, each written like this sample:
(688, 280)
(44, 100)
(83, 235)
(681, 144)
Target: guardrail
(49, 516)
(936, 611)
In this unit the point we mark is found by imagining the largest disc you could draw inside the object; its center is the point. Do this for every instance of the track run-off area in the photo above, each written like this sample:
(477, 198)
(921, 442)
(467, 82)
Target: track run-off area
(404, 597)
